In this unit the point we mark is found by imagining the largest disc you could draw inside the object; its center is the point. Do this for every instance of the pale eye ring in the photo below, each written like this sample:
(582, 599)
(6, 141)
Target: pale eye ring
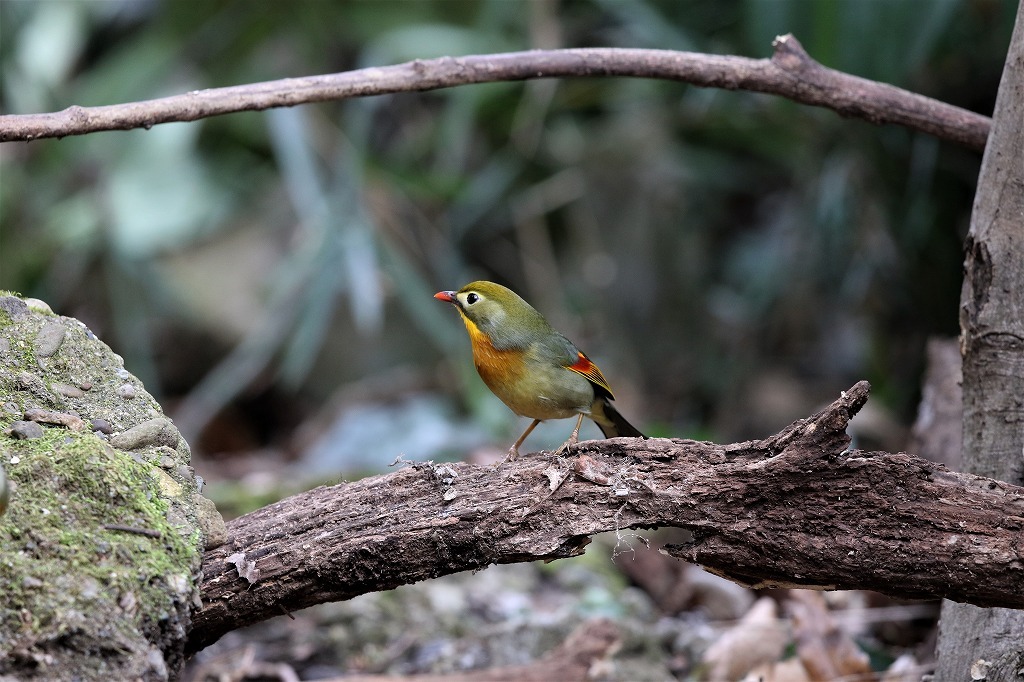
(471, 298)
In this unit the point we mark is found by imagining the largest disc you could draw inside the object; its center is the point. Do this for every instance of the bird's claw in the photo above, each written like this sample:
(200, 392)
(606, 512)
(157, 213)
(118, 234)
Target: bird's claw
(565, 446)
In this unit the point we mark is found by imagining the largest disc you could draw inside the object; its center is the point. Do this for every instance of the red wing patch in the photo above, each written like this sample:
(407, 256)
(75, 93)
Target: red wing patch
(588, 369)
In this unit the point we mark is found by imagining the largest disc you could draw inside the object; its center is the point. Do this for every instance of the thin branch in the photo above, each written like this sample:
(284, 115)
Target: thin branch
(790, 73)
(796, 509)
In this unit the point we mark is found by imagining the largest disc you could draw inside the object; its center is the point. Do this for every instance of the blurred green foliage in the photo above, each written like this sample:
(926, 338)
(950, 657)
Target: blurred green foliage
(716, 251)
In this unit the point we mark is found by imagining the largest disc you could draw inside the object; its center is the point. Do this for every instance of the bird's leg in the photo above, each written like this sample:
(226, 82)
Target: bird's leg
(513, 451)
(574, 438)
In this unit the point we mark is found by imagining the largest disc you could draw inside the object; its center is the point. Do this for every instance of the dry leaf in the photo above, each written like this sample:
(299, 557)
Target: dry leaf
(757, 639)
(827, 653)
(789, 670)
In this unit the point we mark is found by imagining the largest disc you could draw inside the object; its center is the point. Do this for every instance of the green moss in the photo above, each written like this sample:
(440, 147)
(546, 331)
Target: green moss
(20, 348)
(68, 486)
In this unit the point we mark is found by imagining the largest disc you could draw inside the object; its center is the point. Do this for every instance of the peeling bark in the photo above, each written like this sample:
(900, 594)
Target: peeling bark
(795, 509)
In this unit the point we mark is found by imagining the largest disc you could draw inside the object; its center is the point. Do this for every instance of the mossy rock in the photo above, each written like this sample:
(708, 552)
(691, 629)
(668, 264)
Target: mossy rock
(102, 540)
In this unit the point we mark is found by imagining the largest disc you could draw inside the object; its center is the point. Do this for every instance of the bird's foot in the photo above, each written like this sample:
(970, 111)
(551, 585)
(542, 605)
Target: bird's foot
(566, 445)
(574, 438)
(511, 456)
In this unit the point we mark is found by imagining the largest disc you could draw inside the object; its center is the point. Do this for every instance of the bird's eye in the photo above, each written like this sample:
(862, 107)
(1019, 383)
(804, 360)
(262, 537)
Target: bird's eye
(472, 298)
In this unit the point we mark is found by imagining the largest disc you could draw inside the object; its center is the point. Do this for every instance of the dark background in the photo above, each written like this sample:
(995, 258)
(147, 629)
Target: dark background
(731, 260)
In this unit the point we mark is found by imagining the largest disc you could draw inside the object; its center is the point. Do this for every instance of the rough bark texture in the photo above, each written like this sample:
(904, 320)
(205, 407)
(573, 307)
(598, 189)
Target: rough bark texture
(790, 73)
(796, 509)
(991, 641)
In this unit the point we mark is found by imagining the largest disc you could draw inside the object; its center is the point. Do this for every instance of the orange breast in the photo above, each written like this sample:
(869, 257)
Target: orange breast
(496, 367)
(528, 386)
(502, 370)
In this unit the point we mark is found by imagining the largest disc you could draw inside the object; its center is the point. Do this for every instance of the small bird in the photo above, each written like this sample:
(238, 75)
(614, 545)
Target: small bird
(532, 368)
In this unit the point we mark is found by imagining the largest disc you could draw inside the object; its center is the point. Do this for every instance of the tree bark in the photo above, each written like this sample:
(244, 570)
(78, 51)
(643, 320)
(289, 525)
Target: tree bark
(976, 641)
(796, 509)
(790, 73)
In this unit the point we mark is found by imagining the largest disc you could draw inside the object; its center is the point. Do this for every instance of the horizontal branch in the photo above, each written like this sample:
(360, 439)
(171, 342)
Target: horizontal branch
(790, 73)
(796, 509)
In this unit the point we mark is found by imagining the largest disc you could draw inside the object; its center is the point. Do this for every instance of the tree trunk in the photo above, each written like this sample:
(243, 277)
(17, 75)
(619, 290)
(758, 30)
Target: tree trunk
(977, 643)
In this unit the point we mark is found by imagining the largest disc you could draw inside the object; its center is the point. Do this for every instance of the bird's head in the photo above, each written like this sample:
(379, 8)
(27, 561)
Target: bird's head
(496, 311)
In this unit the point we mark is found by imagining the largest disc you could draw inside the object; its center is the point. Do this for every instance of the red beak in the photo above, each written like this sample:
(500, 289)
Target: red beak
(448, 296)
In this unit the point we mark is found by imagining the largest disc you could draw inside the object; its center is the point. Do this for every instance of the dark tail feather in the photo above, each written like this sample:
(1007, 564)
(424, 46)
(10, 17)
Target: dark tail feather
(611, 423)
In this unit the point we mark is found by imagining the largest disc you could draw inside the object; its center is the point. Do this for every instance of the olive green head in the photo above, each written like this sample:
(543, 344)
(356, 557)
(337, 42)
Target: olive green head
(500, 313)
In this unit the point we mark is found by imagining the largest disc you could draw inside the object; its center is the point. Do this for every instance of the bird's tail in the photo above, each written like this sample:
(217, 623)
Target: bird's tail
(611, 423)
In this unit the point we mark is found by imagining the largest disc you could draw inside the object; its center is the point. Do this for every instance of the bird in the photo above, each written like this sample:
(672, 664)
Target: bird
(534, 370)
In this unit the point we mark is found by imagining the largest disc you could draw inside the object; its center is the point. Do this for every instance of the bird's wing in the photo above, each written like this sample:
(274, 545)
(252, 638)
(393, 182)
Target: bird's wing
(561, 351)
(584, 366)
